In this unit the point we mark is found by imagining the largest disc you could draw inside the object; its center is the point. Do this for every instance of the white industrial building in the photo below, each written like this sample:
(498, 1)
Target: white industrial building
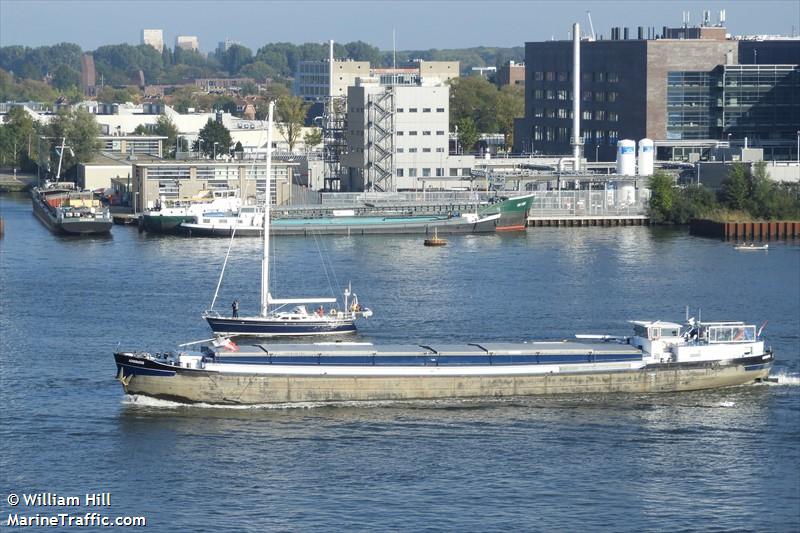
(187, 42)
(397, 138)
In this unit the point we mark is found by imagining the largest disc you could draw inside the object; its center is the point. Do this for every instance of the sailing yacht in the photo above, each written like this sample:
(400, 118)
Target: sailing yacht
(287, 316)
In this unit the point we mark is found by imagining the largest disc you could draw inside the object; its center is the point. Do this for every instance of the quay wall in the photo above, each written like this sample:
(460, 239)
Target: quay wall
(761, 231)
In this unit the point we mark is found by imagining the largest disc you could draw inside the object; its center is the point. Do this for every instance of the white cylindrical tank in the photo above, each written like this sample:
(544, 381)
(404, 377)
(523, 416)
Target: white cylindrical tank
(626, 157)
(646, 157)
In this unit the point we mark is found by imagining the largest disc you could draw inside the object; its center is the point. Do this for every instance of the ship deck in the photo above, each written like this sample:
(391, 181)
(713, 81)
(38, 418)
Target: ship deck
(437, 354)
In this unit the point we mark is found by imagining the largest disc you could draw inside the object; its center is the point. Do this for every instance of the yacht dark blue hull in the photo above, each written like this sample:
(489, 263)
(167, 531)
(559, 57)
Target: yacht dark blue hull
(277, 328)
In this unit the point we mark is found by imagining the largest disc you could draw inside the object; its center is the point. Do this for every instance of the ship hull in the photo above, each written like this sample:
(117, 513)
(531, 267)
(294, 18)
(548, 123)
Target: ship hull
(150, 378)
(69, 227)
(164, 224)
(278, 328)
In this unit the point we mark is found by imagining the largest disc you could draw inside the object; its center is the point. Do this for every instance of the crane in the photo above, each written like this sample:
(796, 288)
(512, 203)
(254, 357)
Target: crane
(591, 26)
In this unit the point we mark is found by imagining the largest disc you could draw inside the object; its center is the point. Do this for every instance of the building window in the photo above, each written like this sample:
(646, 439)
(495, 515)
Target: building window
(440, 110)
(399, 172)
(412, 132)
(600, 96)
(412, 172)
(551, 95)
(586, 77)
(586, 96)
(563, 113)
(454, 172)
(538, 94)
(586, 115)
(612, 96)
(401, 150)
(466, 171)
(538, 112)
(426, 172)
(412, 150)
(439, 132)
(439, 172)
(550, 76)
(599, 115)
(563, 76)
(613, 116)
(426, 132)
(426, 150)
(399, 109)
(599, 77)
(613, 77)
(412, 109)
(562, 94)
(400, 133)
(426, 109)
(440, 150)
(613, 135)
(551, 113)
(538, 76)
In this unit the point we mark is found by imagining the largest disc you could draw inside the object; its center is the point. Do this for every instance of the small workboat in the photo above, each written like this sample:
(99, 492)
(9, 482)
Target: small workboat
(751, 246)
(435, 240)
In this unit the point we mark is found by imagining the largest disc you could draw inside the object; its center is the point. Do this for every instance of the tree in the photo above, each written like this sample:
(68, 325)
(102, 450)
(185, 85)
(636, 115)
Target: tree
(735, 189)
(66, 77)
(662, 197)
(291, 111)
(17, 135)
(166, 128)
(467, 133)
(214, 139)
(235, 57)
(80, 129)
(313, 138)
(141, 129)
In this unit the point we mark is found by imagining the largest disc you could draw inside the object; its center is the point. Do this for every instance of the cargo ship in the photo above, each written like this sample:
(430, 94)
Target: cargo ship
(65, 210)
(657, 357)
(505, 214)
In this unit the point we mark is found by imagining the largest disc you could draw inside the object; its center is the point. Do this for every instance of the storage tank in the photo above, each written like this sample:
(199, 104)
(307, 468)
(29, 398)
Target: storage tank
(646, 157)
(626, 157)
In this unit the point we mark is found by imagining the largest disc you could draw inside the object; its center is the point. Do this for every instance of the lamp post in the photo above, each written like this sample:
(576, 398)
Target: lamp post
(596, 150)
(214, 150)
(729, 148)
(199, 146)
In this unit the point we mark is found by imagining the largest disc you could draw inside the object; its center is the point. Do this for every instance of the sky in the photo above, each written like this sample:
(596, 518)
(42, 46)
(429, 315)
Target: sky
(418, 24)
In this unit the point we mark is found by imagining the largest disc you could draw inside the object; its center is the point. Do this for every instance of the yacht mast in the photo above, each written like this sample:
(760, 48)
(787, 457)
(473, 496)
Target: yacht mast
(267, 194)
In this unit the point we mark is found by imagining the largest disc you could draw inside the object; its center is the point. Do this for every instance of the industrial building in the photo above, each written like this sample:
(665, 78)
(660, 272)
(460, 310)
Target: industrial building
(397, 138)
(312, 79)
(686, 88)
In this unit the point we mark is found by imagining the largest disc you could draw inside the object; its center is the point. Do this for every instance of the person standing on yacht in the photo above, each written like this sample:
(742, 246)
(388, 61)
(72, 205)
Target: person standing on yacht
(235, 309)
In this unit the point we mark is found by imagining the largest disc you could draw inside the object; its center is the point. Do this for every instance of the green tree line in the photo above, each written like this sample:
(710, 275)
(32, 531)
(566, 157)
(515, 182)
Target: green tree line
(746, 193)
(120, 64)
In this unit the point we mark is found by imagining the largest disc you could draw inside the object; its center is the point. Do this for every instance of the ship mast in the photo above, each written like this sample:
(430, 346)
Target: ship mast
(267, 194)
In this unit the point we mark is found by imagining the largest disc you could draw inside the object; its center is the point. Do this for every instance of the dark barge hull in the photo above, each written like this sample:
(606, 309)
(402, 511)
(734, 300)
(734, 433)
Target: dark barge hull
(69, 227)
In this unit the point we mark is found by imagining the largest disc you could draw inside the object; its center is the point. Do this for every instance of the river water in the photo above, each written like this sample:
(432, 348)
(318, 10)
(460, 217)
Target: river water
(717, 460)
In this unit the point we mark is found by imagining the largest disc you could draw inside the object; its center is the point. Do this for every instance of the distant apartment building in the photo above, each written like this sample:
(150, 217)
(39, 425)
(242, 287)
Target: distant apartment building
(312, 79)
(154, 38)
(397, 138)
(187, 42)
(686, 88)
(511, 73)
(223, 46)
